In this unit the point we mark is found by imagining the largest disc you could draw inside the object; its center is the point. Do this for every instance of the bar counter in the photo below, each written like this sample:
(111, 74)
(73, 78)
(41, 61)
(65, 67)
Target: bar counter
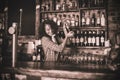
(69, 71)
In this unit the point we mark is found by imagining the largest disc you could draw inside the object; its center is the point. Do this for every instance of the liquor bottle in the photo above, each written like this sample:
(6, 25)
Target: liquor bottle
(59, 21)
(85, 38)
(74, 39)
(83, 20)
(34, 57)
(72, 20)
(102, 38)
(82, 3)
(87, 18)
(81, 38)
(55, 18)
(58, 5)
(63, 18)
(89, 38)
(97, 38)
(98, 19)
(68, 19)
(70, 4)
(50, 16)
(77, 38)
(93, 20)
(45, 17)
(47, 5)
(93, 38)
(77, 21)
(103, 19)
(64, 6)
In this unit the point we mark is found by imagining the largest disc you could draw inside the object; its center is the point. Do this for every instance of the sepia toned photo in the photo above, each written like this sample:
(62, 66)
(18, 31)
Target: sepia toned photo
(59, 40)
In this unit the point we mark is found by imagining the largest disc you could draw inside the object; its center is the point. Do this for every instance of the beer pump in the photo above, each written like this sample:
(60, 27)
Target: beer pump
(13, 30)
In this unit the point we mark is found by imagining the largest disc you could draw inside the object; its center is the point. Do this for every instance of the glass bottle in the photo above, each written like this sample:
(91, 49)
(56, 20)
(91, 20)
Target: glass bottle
(103, 19)
(59, 21)
(58, 5)
(98, 19)
(89, 38)
(85, 38)
(77, 38)
(64, 6)
(72, 20)
(68, 19)
(97, 38)
(102, 37)
(93, 38)
(77, 21)
(81, 38)
(83, 20)
(87, 18)
(74, 39)
(93, 20)
(55, 18)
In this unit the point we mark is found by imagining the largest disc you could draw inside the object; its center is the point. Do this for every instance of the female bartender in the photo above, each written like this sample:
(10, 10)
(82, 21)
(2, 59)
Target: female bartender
(50, 45)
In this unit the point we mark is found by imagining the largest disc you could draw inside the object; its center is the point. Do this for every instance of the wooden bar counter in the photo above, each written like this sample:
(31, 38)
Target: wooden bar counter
(66, 71)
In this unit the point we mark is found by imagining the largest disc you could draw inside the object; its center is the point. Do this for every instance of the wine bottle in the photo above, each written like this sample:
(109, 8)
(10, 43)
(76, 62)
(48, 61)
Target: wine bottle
(103, 19)
(83, 20)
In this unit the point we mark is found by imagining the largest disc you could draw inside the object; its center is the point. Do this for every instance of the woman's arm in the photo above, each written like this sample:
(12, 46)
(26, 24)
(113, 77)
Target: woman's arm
(46, 42)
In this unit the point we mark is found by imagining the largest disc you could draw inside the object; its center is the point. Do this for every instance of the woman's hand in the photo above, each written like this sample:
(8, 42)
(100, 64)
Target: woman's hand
(70, 34)
(67, 31)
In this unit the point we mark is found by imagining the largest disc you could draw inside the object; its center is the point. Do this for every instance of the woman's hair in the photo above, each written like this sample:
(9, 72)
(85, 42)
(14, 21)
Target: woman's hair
(53, 26)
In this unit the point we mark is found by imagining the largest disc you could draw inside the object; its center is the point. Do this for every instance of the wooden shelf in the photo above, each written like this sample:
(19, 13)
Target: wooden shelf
(59, 11)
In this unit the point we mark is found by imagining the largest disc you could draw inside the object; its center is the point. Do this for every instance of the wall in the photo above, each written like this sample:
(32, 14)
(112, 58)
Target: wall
(113, 18)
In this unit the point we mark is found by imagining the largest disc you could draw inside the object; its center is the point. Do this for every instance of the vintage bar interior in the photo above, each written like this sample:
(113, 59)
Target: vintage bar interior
(88, 32)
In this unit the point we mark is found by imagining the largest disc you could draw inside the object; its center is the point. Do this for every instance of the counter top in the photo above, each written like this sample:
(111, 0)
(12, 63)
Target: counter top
(54, 69)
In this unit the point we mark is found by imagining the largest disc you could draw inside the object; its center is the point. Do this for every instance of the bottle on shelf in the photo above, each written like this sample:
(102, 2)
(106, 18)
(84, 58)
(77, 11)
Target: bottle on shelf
(77, 38)
(98, 20)
(93, 38)
(74, 39)
(87, 18)
(83, 20)
(59, 21)
(81, 38)
(85, 38)
(58, 5)
(89, 38)
(97, 38)
(70, 4)
(102, 37)
(93, 20)
(77, 21)
(102, 19)
(47, 5)
(68, 19)
(50, 16)
(73, 20)
(63, 18)
(55, 18)
(64, 6)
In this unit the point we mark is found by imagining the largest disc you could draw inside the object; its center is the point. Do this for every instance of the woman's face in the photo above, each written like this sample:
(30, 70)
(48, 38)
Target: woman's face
(48, 30)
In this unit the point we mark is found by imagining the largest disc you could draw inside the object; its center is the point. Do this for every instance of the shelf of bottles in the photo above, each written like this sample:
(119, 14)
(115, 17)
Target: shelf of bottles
(85, 38)
(92, 4)
(59, 5)
(93, 18)
(72, 18)
(88, 20)
(91, 60)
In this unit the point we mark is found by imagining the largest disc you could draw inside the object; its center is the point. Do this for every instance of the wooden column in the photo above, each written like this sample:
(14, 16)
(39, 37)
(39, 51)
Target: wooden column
(37, 20)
